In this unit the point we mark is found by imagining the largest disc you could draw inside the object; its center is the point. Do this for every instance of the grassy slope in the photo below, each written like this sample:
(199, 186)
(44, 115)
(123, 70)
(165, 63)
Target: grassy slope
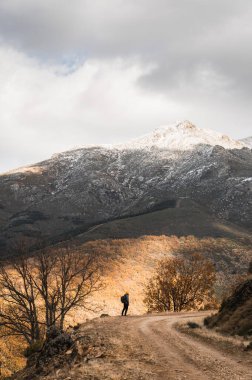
(188, 218)
(129, 263)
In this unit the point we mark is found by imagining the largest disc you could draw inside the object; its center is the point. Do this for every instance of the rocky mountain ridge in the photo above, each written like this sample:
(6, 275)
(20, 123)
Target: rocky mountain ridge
(78, 189)
(182, 136)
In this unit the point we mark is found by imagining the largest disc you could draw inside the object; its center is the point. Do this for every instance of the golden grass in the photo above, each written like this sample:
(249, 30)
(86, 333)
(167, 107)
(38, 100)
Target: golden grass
(11, 356)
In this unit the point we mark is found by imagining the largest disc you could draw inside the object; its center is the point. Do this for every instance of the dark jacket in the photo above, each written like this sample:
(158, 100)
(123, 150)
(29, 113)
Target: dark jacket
(126, 299)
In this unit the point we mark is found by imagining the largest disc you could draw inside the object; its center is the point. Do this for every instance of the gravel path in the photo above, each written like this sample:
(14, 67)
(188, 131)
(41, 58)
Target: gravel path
(183, 357)
(146, 348)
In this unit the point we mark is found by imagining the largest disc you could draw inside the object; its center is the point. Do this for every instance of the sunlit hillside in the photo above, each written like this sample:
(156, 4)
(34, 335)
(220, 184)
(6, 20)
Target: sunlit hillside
(129, 263)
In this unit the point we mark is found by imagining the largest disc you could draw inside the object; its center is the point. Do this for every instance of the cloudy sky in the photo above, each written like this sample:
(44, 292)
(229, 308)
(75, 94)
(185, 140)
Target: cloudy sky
(75, 72)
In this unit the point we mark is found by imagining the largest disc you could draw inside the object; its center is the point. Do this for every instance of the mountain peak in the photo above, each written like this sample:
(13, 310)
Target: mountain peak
(186, 125)
(182, 135)
(179, 136)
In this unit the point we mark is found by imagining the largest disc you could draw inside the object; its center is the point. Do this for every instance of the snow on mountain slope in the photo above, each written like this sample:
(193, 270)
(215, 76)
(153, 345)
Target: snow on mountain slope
(77, 189)
(247, 141)
(182, 136)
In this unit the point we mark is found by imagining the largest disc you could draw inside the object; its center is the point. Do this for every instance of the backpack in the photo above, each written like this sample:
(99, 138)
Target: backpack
(123, 299)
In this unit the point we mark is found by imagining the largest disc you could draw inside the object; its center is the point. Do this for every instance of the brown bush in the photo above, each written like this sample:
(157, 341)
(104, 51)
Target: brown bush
(180, 284)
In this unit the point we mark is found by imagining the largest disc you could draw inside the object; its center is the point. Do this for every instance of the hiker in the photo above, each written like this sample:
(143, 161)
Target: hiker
(125, 301)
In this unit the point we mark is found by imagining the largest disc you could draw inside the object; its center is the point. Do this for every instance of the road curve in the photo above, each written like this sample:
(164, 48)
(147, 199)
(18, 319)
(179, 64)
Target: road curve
(181, 357)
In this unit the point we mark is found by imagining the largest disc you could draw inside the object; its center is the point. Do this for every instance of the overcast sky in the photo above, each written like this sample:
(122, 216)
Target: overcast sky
(75, 72)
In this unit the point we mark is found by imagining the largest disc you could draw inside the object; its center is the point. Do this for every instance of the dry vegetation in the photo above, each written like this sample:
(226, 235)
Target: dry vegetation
(37, 293)
(131, 263)
(235, 314)
(181, 283)
(11, 356)
(128, 264)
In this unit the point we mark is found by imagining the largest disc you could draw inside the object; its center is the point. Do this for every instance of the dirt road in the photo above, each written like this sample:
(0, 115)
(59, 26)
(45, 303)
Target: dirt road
(147, 348)
(182, 357)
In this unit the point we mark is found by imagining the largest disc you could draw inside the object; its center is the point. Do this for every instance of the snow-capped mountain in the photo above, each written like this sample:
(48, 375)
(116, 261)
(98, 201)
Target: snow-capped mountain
(182, 136)
(77, 189)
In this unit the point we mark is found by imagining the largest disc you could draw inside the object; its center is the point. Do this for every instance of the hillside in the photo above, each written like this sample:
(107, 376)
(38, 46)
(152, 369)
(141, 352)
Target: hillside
(130, 262)
(182, 217)
(235, 314)
(76, 190)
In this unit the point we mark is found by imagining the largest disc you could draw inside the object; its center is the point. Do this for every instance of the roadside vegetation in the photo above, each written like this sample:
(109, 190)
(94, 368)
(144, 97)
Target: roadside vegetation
(181, 284)
(231, 327)
(235, 314)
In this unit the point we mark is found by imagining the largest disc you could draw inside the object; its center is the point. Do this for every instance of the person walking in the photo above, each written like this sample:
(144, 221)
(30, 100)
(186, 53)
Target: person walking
(125, 301)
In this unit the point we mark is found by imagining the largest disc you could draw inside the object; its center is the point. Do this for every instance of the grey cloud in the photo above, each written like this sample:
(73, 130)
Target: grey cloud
(201, 51)
(180, 37)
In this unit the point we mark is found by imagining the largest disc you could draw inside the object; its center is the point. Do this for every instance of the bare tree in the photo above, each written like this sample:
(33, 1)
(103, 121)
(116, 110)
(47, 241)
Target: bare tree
(180, 284)
(38, 292)
(65, 280)
(19, 301)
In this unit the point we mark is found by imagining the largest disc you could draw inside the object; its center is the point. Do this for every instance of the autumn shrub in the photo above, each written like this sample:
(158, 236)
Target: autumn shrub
(180, 284)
